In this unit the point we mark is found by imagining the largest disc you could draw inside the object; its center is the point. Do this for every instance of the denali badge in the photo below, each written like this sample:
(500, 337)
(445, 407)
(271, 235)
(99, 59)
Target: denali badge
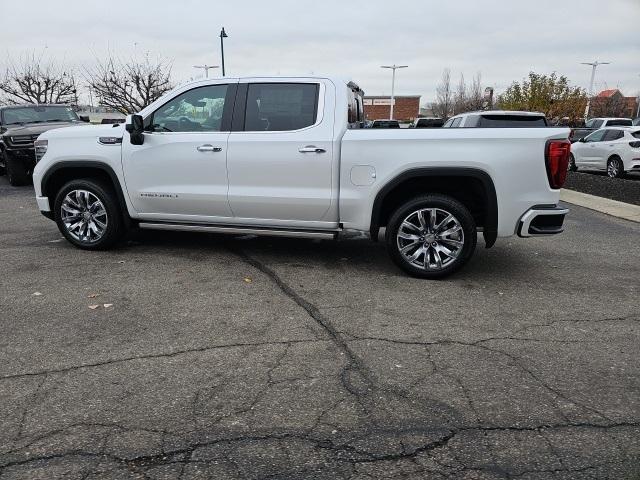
(159, 195)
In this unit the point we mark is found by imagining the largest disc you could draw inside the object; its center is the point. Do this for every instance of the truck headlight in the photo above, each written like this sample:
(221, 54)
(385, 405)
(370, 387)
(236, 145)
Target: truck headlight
(41, 148)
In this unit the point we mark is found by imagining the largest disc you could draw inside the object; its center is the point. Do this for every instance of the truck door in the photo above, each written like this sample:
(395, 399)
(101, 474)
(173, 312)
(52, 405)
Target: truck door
(180, 170)
(280, 153)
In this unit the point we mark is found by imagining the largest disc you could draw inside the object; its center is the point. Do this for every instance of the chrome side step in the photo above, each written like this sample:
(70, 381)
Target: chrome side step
(196, 227)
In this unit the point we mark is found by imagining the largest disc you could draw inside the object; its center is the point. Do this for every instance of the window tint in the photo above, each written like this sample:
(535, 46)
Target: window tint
(38, 114)
(512, 121)
(613, 135)
(198, 110)
(448, 123)
(456, 122)
(280, 106)
(428, 123)
(472, 121)
(595, 136)
(619, 123)
(594, 123)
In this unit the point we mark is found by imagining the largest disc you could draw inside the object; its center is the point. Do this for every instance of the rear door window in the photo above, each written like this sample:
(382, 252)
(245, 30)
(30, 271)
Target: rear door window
(512, 121)
(456, 122)
(622, 122)
(612, 135)
(276, 107)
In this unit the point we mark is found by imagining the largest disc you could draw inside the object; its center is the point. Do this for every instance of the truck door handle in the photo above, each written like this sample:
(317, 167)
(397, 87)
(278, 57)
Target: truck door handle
(209, 148)
(311, 149)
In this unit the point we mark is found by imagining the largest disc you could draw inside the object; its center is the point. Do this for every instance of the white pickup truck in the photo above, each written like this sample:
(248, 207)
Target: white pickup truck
(287, 156)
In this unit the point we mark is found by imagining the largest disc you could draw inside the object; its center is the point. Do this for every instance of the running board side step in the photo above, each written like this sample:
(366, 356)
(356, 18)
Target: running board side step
(195, 227)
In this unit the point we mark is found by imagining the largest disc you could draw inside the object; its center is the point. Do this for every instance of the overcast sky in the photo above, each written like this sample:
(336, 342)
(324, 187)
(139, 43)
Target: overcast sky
(502, 39)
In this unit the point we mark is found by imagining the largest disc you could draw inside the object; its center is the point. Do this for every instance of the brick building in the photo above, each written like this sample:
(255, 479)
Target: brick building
(612, 103)
(407, 107)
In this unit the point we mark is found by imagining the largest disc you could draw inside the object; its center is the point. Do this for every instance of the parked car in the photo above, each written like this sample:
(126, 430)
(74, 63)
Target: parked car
(596, 123)
(286, 156)
(429, 122)
(636, 122)
(614, 149)
(385, 124)
(497, 119)
(20, 125)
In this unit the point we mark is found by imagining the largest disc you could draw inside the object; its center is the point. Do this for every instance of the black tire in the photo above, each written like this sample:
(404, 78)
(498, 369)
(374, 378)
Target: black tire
(615, 167)
(16, 171)
(572, 163)
(114, 229)
(3, 163)
(428, 239)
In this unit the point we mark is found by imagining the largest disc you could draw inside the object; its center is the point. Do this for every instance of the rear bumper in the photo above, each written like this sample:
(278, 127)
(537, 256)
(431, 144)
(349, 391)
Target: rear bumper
(542, 221)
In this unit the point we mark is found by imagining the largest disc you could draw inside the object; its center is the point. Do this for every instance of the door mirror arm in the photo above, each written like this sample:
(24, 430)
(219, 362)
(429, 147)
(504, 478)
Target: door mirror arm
(135, 127)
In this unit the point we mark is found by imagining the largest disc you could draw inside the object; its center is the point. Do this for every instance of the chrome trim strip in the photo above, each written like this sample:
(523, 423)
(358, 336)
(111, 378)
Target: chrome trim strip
(186, 227)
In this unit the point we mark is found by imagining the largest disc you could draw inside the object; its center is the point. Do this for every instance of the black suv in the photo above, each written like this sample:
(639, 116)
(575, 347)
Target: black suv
(20, 125)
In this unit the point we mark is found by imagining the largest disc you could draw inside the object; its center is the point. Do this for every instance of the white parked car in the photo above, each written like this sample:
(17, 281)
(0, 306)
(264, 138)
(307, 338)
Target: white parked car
(615, 150)
(286, 156)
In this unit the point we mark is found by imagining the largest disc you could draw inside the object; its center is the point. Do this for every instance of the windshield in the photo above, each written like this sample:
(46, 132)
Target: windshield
(39, 114)
(621, 122)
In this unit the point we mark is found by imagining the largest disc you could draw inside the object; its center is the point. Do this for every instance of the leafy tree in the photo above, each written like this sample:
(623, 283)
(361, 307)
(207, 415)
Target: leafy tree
(551, 94)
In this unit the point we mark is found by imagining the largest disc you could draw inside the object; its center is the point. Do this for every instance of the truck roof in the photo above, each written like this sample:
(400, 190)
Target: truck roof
(500, 112)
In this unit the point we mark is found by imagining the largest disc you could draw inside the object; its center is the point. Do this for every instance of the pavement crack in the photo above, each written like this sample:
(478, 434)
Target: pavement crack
(152, 356)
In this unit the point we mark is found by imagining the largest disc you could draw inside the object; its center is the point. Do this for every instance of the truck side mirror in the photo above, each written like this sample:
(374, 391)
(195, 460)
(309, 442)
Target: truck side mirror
(135, 127)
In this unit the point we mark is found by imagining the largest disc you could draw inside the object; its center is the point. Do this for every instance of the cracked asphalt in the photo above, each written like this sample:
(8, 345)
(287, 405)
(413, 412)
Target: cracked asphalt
(248, 357)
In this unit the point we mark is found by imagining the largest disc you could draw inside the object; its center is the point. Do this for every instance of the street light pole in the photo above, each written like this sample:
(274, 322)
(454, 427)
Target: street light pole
(594, 65)
(223, 35)
(206, 68)
(393, 67)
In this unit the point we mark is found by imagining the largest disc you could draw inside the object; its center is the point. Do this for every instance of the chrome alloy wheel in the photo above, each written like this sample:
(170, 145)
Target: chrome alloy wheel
(84, 216)
(613, 168)
(430, 238)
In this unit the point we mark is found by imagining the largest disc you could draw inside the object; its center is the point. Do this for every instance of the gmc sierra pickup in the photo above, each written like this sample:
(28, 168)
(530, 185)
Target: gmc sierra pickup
(287, 157)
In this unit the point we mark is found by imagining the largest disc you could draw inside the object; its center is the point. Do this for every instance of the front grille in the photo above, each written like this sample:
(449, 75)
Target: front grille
(23, 140)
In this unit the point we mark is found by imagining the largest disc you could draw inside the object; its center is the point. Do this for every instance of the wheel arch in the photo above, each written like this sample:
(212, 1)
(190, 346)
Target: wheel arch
(444, 180)
(60, 173)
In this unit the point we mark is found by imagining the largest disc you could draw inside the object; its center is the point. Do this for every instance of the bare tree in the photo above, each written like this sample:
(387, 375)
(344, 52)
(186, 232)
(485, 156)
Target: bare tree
(34, 80)
(460, 97)
(475, 95)
(443, 105)
(128, 87)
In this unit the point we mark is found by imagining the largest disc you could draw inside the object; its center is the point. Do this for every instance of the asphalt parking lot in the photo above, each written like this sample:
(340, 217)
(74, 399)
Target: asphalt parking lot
(223, 357)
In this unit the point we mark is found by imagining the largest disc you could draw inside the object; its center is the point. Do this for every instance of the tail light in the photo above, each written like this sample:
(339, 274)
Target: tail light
(634, 144)
(557, 162)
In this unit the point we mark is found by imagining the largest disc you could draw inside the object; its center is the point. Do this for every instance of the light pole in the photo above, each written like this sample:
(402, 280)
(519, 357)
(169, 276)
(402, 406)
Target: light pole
(223, 35)
(594, 65)
(206, 68)
(393, 67)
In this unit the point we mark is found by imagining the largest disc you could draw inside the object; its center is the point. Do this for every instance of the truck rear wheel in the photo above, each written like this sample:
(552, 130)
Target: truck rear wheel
(431, 236)
(88, 214)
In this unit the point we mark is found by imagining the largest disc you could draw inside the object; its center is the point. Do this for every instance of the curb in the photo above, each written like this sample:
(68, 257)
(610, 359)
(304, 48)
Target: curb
(614, 208)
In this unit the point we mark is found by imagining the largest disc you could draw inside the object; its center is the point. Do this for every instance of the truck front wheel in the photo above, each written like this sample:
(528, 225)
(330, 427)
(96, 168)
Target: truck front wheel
(16, 171)
(431, 236)
(88, 215)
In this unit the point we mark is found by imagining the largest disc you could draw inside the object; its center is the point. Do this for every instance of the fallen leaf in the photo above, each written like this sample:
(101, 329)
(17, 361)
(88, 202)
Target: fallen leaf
(120, 261)
(107, 305)
(93, 307)
(93, 295)
(36, 294)
(248, 280)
